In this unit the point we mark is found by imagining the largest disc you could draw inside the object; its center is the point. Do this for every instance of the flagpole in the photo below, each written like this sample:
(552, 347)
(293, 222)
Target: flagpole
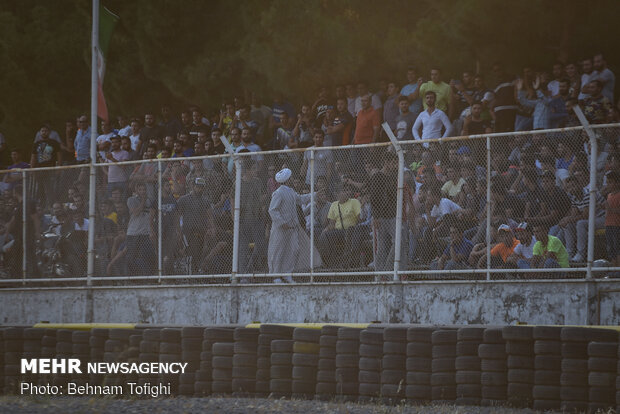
(94, 78)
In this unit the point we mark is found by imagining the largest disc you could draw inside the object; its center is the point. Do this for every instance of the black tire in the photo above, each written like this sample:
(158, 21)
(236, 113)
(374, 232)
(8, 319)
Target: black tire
(280, 372)
(328, 364)
(399, 348)
(192, 332)
(222, 362)
(495, 392)
(328, 341)
(468, 390)
(602, 379)
(347, 361)
(518, 390)
(546, 405)
(263, 363)
(418, 392)
(443, 365)
(124, 334)
(111, 345)
(419, 378)
(50, 341)
(493, 379)
(265, 339)
(244, 372)
(467, 348)
(520, 362)
(393, 361)
(373, 377)
(518, 333)
(246, 335)
(169, 348)
(62, 335)
(369, 364)
(393, 391)
(244, 360)
(206, 356)
(467, 377)
(493, 365)
(202, 388)
(552, 333)
(492, 351)
(548, 362)
(493, 336)
(169, 357)
(367, 388)
(578, 350)
(419, 364)
(574, 365)
(546, 392)
(245, 348)
(520, 348)
(326, 388)
(307, 335)
(574, 393)
(603, 349)
(78, 337)
(522, 376)
(223, 349)
(187, 378)
(147, 334)
(304, 373)
(347, 347)
(602, 364)
(467, 401)
(420, 349)
(389, 376)
(221, 387)
(306, 348)
(346, 375)
(192, 344)
(420, 334)
(444, 393)
(470, 334)
(303, 387)
(331, 330)
(602, 394)
(395, 334)
(219, 334)
(308, 360)
(280, 331)
(372, 351)
(81, 348)
(61, 347)
(544, 377)
(443, 378)
(282, 346)
(148, 357)
(578, 334)
(325, 376)
(371, 336)
(327, 353)
(263, 351)
(467, 363)
(281, 358)
(444, 351)
(221, 374)
(444, 336)
(202, 376)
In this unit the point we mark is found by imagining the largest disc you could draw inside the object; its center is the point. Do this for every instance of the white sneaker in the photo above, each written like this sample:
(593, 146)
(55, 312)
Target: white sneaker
(577, 258)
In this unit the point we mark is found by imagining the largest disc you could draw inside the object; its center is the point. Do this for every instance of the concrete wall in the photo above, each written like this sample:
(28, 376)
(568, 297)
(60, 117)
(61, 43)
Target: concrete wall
(441, 302)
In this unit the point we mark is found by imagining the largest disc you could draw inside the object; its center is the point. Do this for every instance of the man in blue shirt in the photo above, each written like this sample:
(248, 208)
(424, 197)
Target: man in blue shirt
(415, 106)
(82, 141)
(456, 254)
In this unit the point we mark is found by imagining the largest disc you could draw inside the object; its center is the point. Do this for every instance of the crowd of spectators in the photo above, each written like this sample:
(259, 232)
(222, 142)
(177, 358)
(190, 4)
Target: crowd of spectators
(539, 186)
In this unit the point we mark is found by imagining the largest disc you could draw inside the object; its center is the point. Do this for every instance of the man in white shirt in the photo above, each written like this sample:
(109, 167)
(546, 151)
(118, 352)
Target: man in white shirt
(605, 76)
(431, 120)
(524, 251)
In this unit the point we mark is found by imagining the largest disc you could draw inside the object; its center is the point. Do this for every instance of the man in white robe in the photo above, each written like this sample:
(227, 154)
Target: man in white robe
(289, 245)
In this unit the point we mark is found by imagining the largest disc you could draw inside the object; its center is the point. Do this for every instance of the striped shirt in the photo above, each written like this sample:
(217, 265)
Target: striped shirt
(583, 203)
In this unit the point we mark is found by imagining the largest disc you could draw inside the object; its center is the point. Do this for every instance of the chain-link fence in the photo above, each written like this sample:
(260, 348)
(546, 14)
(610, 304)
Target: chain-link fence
(497, 207)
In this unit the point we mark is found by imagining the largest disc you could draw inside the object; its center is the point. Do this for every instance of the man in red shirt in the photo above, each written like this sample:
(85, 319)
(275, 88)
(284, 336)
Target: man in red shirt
(367, 124)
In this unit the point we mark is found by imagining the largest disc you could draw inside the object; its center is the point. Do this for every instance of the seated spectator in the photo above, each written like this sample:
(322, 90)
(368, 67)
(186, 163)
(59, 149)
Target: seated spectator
(342, 229)
(456, 254)
(524, 251)
(549, 252)
(453, 186)
(504, 248)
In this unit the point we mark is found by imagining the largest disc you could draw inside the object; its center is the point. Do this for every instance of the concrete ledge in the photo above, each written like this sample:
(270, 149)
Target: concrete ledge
(568, 302)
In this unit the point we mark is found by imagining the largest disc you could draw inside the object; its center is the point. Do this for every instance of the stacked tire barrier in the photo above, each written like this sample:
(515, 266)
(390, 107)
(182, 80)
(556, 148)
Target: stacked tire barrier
(370, 364)
(546, 367)
(493, 367)
(347, 363)
(222, 363)
(520, 364)
(244, 362)
(305, 361)
(326, 374)
(148, 352)
(443, 377)
(419, 364)
(394, 364)
(547, 363)
(467, 364)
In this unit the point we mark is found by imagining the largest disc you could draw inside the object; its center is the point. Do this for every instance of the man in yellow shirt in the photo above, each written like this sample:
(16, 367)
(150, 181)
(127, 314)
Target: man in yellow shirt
(441, 88)
(342, 229)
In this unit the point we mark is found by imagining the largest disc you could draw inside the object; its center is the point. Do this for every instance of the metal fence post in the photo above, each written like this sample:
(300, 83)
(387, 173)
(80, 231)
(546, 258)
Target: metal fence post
(237, 214)
(159, 224)
(24, 216)
(312, 196)
(399, 199)
(488, 221)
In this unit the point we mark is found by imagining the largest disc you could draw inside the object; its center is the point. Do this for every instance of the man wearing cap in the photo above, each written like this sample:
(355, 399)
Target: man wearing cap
(288, 242)
(524, 251)
(197, 218)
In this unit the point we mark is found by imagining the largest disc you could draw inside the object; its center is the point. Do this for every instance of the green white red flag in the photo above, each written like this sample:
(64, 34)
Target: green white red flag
(107, 21)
